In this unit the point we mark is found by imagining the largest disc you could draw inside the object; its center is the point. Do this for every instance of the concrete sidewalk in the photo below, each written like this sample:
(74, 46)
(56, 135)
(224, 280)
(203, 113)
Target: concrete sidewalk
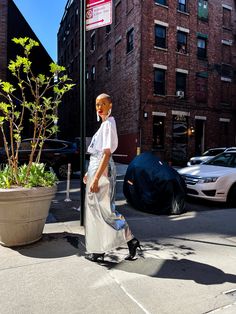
(187, 266)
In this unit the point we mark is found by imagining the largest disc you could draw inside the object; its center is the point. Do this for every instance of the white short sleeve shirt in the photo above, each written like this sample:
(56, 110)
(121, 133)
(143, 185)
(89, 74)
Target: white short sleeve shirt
(104, 138)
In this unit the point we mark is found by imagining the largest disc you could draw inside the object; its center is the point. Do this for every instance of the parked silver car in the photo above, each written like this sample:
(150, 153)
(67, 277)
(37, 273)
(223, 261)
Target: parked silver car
(213, 180)
(207, 155)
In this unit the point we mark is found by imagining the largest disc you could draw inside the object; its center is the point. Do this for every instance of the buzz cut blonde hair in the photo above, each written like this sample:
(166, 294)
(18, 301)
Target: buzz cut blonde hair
(103, 95)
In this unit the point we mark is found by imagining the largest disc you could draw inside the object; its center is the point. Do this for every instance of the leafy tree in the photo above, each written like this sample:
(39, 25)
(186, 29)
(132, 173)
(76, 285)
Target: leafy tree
(34, 100)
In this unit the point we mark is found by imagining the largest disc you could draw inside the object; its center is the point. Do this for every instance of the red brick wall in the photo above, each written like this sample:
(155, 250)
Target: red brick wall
(213, 109)
(130, 79)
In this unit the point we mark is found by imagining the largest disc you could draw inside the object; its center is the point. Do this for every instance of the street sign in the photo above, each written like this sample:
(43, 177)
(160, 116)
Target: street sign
(98, 13)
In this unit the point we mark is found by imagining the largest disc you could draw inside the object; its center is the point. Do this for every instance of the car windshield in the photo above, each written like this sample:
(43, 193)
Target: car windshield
(212, 152)
(224, 160)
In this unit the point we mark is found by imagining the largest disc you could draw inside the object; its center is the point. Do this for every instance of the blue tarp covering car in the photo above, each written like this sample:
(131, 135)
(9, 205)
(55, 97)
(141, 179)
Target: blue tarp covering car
(153, 186)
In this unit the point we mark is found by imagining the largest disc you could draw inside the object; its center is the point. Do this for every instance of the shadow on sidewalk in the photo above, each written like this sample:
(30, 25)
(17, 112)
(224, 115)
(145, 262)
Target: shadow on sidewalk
(182, 269)
(55, 245)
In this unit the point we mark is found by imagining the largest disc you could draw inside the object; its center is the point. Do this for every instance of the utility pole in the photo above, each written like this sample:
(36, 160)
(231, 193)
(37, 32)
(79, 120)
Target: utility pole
(82, 83)
(93, 14)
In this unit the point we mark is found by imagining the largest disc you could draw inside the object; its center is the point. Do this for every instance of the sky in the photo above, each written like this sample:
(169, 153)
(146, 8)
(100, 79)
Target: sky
(44, 18)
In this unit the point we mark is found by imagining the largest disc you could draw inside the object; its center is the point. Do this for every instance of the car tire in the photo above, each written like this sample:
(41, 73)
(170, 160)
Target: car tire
(61, 171)
(231, 198)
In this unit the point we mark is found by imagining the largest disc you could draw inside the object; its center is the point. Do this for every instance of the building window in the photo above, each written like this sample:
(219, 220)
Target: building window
(227, 18)
(158, 133)
(160, 36)
(118, 13)
(159, 82)
(130, 40)
(181, 42)
(203, 9)
(201, 48)
(163, 2)
(93, 73)
(92, 42)
(108, 29)
(226, 71)
(182, 5)
(201, 87)
(108, 60)
(225, 92)
(181, 79)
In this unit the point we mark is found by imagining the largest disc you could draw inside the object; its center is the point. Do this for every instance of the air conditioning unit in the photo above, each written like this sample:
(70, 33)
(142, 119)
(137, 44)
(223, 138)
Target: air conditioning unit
(180, 93)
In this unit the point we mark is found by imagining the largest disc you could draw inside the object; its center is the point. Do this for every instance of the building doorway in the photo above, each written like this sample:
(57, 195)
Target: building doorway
(179, 139)
(199, 137)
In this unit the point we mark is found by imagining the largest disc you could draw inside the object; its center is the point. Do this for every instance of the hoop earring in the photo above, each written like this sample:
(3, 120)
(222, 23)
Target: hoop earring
(98, 118)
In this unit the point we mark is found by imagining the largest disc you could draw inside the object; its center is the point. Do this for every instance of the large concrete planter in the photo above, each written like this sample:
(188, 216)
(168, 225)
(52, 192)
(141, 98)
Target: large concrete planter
(23, 213)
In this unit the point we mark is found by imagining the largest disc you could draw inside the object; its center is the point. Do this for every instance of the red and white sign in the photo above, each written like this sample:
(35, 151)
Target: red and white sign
(98, 13)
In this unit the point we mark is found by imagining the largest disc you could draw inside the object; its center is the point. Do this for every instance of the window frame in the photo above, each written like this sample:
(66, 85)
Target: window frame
(159, 2)
(179, 46)
(182, 7)
(201, 52)
(178, 87)
(130, 40)
(158, 131)
(158, 39)
(159, 86)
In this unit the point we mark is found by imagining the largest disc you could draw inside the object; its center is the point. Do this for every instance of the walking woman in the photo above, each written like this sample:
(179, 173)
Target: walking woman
(105, 228)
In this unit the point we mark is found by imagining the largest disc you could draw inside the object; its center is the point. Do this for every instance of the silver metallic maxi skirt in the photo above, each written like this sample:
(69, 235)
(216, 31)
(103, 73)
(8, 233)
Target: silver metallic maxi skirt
(105, 228)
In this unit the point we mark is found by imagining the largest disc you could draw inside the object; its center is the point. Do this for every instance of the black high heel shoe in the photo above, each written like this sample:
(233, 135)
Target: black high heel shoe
(95, 257)
(132, 245)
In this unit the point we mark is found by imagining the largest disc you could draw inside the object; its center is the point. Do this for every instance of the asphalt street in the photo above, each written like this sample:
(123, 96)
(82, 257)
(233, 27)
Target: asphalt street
(186, 266)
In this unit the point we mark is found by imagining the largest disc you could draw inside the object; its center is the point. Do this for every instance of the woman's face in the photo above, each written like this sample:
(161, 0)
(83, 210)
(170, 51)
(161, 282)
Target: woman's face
(102, 106)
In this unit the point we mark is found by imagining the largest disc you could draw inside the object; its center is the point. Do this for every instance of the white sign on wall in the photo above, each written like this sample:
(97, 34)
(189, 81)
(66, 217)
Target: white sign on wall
(98, 13)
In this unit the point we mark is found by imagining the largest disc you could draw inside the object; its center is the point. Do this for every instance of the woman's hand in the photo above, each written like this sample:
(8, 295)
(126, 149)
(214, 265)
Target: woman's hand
(94, 186)
(85, 178)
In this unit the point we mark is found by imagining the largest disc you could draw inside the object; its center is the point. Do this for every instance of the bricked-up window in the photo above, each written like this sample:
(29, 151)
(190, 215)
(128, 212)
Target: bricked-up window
(201, 48)
(93, 73)
(227, 18)
(158, 134)
(163, 2)
(224, 133)
(182, 5)
(226, 71)
(225, 92)
(92, 42)
(130, 40)
(203, 9)
(159, 81)
(181, 42)
(108, 60)
(160, 36)
(181, 79)
(118, 13)
(226, 53)
(118, 51)
(201, 87)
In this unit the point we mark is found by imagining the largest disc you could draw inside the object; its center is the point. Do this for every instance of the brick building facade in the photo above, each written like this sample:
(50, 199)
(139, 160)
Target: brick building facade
(170, 69)
(13, 24)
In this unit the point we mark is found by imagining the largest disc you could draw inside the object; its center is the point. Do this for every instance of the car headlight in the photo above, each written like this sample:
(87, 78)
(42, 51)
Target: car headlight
(208, 180)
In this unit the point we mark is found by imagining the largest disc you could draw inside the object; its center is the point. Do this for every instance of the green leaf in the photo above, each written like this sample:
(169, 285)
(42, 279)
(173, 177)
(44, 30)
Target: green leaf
(55, 68)
(7, 87)
(4, 107)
